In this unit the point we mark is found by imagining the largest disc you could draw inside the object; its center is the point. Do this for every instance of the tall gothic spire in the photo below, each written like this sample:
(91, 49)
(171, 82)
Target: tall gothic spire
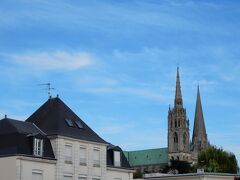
(178, 95)
(178, 128)
(199, 130)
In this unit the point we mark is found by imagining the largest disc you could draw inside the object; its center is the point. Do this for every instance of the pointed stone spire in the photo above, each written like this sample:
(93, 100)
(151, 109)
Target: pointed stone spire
(178, 95)
(178, 128)
(199, 138)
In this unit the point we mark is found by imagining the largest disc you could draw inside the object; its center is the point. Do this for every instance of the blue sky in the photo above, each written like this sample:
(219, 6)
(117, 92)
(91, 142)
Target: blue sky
(114, 63)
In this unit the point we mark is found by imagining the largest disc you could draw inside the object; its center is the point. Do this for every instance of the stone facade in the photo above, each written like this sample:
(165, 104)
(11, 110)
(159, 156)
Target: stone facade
(21, 168)
(193, 176)
(73, 168)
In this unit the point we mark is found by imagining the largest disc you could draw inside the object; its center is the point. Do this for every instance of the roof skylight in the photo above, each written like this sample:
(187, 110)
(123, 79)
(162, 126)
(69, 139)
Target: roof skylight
(79, 124)
(69, 122)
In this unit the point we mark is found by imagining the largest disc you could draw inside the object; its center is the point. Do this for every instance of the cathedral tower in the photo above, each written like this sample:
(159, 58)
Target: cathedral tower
(199, 139)
(178, 128)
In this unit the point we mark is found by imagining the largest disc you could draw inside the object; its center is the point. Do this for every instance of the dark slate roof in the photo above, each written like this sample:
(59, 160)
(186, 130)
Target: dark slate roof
(110, 157)
(16, 138)
(51, 116)
(15, 126)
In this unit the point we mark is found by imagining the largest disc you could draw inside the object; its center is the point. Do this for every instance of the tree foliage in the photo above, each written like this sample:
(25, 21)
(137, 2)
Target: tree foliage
(178, 167)
(182, 166)
(137, 174)
(217, 160)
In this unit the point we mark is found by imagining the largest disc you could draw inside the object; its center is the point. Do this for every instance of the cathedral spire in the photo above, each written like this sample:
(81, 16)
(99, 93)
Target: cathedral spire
(178, 95)
(178, 127)
(199, 130)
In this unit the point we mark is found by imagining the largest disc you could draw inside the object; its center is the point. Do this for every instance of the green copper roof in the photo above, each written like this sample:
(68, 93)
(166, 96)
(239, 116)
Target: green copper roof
(147, 157)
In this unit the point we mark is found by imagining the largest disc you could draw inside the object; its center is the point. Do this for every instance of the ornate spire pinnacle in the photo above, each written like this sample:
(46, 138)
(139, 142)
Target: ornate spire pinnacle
(199, 130)
(178, 95)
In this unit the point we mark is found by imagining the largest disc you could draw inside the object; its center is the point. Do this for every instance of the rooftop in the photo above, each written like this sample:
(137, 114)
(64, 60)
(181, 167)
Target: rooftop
(54, 117)
(147, 157)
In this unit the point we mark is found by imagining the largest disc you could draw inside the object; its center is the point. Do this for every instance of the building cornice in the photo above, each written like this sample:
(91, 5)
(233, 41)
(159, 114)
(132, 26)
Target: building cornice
(75, 139)
(120, 169)
(33, 159)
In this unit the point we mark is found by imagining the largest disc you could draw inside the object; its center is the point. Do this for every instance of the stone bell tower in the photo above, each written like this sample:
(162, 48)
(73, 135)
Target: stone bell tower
(178, 128)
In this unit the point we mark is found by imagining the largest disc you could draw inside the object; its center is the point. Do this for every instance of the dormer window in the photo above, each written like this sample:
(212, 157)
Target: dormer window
(38, 147)
(117, 158)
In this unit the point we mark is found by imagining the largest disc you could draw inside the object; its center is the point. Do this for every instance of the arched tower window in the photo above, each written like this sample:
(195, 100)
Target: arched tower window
(184, 138)
(175, 138)
(175, 123)
(178, 123)
(171, 124)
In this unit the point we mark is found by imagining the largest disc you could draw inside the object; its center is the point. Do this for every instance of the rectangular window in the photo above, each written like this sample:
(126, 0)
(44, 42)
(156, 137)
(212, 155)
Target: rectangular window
(82, 178)
(117, 158)
(67, 177)
(79, 124)
(96, 157)
(37, 175)
(83, 156)
(38, 147)
(96, 178)
(69, 122)
(68, 153)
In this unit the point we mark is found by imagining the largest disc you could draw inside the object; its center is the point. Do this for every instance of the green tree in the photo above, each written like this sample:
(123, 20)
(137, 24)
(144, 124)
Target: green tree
(216, 159)
(137, 174)
(180, 167)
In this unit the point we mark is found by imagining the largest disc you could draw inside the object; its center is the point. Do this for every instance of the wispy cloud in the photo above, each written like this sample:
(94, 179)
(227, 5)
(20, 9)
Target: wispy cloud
(135, 91)
(151, 139)
(106, 14)
(114, 129)
(58, 60)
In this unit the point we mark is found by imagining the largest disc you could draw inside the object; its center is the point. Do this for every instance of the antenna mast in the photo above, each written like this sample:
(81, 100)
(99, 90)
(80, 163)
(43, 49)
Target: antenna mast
(49, 88)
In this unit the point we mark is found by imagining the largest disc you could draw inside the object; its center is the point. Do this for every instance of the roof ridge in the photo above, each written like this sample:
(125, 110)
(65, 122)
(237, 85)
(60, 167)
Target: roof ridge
(148, 149)
(38, 128)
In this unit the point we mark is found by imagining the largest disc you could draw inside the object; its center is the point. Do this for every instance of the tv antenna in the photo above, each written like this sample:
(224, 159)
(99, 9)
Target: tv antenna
(49, 88)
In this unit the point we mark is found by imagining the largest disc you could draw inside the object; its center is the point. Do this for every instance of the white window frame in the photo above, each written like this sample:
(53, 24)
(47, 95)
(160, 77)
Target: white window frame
(67, 176)
(39, 172)
(38, 147)
(96, 161)
(96, 178)
(68, 159)
(117, 158)
(81, 177)
(83, 160)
